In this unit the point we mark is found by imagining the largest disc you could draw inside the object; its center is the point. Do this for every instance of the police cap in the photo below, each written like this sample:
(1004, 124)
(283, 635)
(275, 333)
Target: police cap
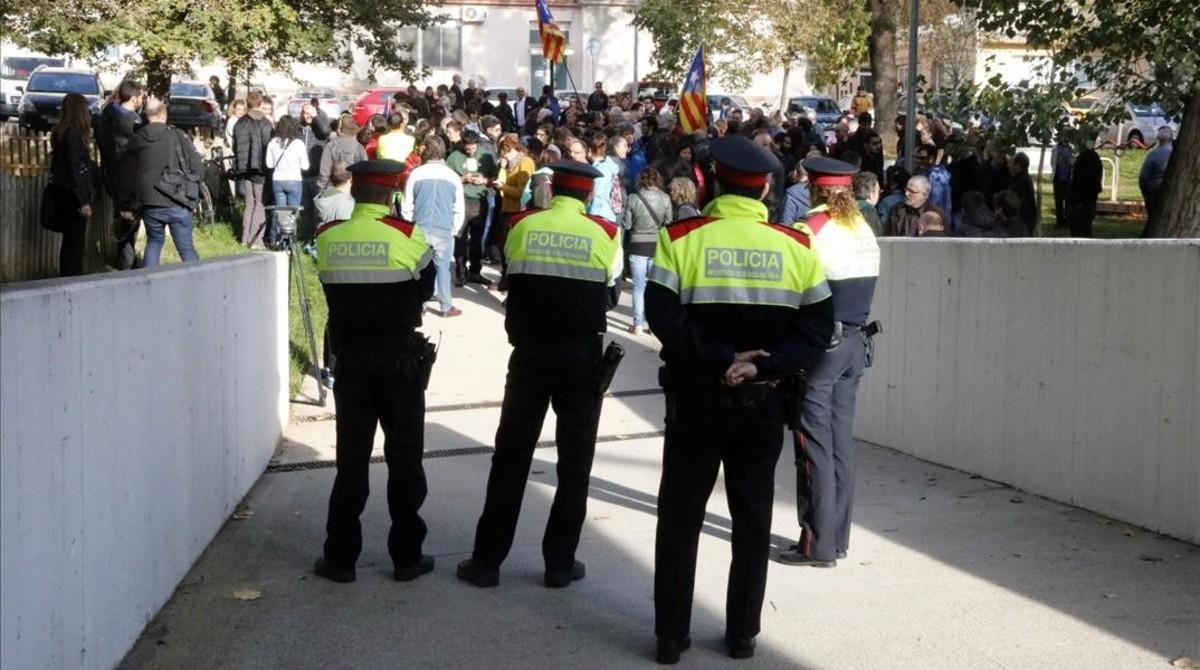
(824, 171)
(741, 162)
(381, 172)
(573, 175)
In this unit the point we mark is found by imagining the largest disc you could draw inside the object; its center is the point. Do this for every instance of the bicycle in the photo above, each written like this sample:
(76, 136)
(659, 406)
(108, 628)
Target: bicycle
(218, 174)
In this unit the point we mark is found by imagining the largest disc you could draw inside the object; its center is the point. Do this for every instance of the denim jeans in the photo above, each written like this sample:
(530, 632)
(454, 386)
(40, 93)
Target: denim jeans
(443, 258)
(157, 220)
(640, 267)
(288, 193)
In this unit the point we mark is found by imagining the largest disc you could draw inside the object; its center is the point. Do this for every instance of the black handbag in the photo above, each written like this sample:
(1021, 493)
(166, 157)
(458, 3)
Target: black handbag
(50, 217)
(177, 182)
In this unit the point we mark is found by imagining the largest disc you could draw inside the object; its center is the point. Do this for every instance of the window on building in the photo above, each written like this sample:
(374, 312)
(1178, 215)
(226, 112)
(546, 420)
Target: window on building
(441, 45)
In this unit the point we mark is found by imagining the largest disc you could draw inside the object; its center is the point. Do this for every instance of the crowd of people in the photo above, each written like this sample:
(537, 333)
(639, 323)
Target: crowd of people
(960, 185)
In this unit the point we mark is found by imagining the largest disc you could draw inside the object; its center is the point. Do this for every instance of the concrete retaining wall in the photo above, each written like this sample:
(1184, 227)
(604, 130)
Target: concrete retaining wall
(137, 410)
(1068, 369)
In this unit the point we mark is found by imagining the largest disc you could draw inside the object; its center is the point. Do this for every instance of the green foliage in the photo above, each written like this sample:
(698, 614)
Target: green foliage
(168, 36)
(832, 34)
(679, 28)
(1136, 50)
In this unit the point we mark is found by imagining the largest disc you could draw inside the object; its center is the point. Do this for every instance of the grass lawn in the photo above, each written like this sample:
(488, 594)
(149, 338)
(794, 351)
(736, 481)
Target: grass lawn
(219, 240)
(1106, 226)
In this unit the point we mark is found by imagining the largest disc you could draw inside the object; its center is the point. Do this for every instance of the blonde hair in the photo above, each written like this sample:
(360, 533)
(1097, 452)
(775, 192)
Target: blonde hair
(682, 190)
(839, 201)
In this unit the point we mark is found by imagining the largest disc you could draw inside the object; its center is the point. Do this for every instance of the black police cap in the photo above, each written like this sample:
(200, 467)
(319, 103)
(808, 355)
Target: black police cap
(573, 175)
(575, 168)
(383, 172)
(743, 155)
(824, 171)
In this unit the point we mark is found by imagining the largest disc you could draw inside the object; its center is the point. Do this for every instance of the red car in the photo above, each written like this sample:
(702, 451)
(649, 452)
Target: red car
(374, 101)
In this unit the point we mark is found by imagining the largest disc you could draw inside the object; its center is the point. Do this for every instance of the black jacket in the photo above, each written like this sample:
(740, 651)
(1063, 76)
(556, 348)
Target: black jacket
(251, 134)
(1087, 179)
(315, 137)
(113, 133)
(72, 170)
(152, 149)
(597, 102)
(508, 121)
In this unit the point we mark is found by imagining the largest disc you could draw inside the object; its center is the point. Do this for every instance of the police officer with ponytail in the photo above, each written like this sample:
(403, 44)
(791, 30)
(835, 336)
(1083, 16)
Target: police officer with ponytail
(740, 305)
(559, 266)
(824, 440)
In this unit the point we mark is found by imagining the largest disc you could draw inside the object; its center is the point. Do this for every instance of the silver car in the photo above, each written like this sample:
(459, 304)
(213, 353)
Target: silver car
(330, 101)
(1141, 126)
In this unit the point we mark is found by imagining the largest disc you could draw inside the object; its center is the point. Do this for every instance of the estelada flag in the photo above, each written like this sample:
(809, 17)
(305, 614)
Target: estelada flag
(693, 99)
(554, 42)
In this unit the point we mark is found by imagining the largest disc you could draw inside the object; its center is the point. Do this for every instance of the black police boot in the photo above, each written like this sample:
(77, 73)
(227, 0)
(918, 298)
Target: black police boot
(557, 579)
(422, 566)
(483, 577)
(740, 647)
(797, 558)
(339, 575)
(669, 650)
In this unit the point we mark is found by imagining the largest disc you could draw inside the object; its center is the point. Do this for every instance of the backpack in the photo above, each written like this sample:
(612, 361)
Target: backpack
(538, 191)
(177, 182)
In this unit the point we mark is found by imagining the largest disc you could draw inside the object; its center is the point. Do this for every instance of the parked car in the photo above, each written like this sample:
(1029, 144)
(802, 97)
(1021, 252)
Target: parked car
(374, 101)
(191, 104)
(493, 93)
(824, 112)
(659, 91)
(328, 98)
(41, 104)
(1141, 126)
(714, 104)
(14, 72)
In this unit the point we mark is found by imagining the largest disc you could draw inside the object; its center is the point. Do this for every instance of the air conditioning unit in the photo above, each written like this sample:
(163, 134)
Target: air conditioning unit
(474, 14)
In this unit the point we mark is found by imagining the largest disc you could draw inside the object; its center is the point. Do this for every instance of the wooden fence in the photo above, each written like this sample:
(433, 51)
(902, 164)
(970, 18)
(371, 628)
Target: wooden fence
(27, 251)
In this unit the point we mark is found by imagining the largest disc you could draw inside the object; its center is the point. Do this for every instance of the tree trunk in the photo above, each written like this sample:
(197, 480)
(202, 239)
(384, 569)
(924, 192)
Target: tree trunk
(231, 75)
(158, 77)
(882, 48)
(1178, 212)
(783, 96)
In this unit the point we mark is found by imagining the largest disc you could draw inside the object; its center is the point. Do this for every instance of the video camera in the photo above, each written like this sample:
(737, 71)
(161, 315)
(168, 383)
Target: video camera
(285, 221)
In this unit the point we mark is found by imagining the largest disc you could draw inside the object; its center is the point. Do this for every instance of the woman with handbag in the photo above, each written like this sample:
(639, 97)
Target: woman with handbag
(72, 182)
(649, 209)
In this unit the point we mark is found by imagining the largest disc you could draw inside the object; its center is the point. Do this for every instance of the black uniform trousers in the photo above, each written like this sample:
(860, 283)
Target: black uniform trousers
(703, 435)
(468, 246)
(562, 375)
(397, 404)
(826, 457)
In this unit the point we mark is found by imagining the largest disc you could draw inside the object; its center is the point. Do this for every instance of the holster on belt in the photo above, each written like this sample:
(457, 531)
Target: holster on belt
(607, 368)
(670, 392)
(411, 356)
(793, 388)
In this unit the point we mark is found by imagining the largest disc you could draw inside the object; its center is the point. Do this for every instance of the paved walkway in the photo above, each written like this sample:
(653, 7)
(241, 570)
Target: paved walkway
(946, 570)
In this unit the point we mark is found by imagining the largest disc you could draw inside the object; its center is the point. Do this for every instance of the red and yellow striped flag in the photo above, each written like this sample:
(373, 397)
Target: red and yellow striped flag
(693, 99)
(554, 42)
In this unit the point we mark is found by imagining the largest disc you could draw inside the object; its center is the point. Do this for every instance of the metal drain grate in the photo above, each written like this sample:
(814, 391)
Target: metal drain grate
(451, 453)
(483, 404)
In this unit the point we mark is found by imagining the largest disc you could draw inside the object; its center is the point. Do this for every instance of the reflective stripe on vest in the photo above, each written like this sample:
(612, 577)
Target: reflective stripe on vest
(733, 256)
(371, 248)
(552, 269)
(561, 241)
(753, 295)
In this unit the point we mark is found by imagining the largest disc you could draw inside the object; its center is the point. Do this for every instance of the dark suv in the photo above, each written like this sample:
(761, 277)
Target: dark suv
(41, 106)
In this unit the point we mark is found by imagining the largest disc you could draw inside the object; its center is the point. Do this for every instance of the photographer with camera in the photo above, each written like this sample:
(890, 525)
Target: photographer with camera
(163, 164)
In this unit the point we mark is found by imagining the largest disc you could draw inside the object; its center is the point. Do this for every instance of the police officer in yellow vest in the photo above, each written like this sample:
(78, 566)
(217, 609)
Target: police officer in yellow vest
(824, 440)
(376, 272)
(559, 266)
(739, 304)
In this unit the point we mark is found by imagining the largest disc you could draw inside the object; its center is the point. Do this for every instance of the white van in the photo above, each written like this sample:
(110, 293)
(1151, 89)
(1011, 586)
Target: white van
(15, 66)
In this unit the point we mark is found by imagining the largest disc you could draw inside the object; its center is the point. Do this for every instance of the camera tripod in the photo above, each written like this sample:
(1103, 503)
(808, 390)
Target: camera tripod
(285, 219)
